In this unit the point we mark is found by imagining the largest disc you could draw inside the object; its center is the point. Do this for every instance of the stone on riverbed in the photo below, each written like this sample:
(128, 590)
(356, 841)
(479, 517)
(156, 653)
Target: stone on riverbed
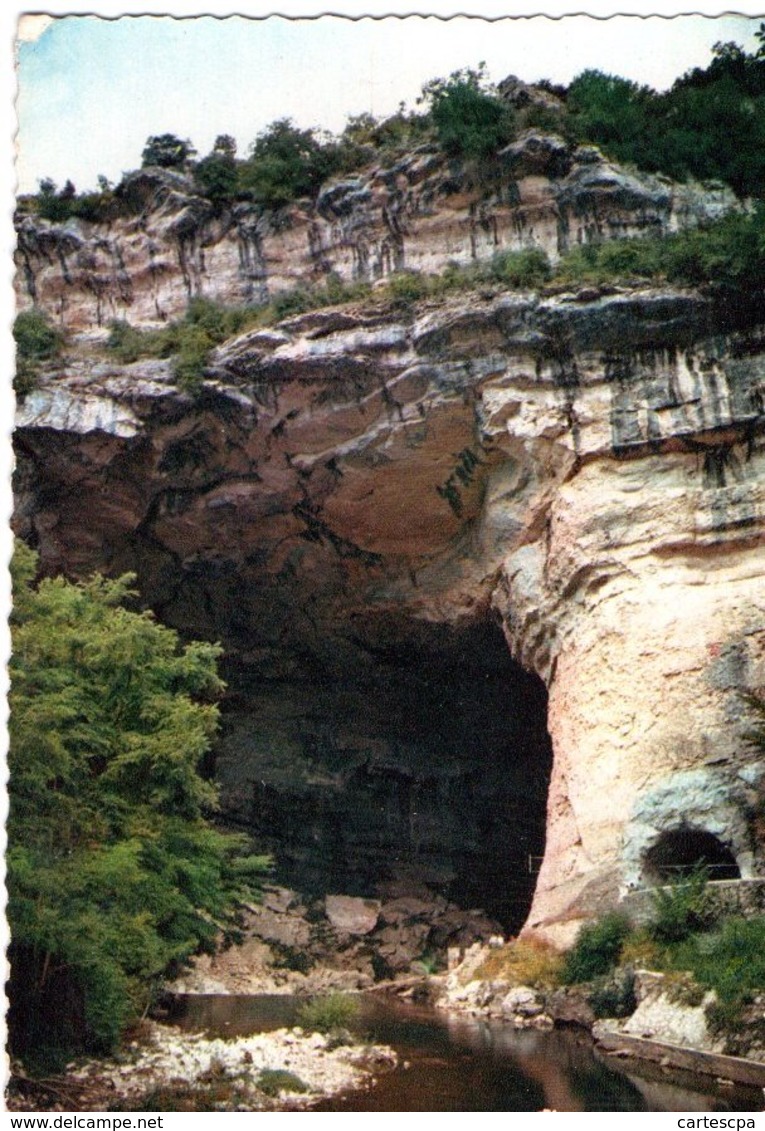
(351, 914)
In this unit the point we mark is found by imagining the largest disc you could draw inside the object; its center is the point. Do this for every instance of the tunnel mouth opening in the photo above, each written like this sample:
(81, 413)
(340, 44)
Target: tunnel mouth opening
(424, 770)
(680, 852)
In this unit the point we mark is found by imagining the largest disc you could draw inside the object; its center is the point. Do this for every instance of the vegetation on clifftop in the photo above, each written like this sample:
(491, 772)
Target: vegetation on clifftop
(470, 120)
(710, 125)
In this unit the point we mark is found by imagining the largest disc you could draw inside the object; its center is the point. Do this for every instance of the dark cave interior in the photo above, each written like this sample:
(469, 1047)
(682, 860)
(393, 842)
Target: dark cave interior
(428, 765)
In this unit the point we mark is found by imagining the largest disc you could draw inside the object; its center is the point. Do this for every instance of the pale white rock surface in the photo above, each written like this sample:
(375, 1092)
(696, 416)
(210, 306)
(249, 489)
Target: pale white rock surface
(663, 1015)
(172, 1058)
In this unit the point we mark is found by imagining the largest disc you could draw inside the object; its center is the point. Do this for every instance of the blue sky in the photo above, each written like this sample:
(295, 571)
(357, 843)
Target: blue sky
(91, 90)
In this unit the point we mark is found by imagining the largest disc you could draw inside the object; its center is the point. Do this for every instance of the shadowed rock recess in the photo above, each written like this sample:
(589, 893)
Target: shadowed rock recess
(409, 527)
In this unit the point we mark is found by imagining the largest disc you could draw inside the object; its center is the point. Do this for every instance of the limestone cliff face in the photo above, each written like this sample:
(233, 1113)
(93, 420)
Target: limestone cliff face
(419, 214)
(351, 481)
(358, 494)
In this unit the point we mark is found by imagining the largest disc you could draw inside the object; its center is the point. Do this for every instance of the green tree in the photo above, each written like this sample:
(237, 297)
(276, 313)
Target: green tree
(609, 111)
(58, 206)
(286, 163)
(225, 145)
(709, 125)
(759, 35)
(54, 205)
(115, 874)
(216, 174)
(471, 121)
(167, 151)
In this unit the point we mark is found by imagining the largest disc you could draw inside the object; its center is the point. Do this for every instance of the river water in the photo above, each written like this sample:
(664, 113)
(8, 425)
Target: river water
(457, 1063)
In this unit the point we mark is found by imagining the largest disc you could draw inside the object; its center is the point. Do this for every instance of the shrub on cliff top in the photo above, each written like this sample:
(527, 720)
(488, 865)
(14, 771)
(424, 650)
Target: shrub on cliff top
(471, 121)
(216, 174)
(710, 124)
(167, 151)
(286, 163)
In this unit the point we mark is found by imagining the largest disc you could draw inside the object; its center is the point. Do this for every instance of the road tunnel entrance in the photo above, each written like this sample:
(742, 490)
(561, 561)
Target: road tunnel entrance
(679, 852)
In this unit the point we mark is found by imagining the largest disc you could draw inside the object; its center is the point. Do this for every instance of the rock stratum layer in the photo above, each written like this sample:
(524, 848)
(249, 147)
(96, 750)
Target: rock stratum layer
(421, 213)
(360, 494)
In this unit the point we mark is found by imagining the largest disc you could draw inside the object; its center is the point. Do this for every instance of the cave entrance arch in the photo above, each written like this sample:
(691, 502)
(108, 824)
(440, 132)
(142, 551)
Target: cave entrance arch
(428, 764)
(679, 851)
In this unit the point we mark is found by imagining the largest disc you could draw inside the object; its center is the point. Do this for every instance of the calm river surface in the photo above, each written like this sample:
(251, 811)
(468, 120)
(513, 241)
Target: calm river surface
(449, 1063)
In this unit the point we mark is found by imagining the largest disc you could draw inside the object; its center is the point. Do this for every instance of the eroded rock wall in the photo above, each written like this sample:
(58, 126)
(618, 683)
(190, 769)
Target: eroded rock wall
(587, 469)
(167, 244)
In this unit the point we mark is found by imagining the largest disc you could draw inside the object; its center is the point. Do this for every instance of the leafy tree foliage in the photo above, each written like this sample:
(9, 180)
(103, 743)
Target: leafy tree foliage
(115, 874)
(58, 206)
(709, 125)
(167, 151)
(54, 205)
(36, 341)
(224, 145)
(285, 163)
(366, 138)
(471, 122)
(216, 174)
(609, 111)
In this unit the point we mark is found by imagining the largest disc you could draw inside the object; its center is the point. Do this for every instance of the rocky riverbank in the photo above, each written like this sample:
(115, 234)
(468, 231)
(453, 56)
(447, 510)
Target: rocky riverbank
(295, 944)
(291, 944)
(165, 1069)
(657, 1016)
